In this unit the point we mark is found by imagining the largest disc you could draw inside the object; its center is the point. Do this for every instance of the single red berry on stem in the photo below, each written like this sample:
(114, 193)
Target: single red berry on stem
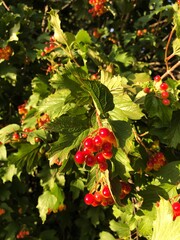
(89, 143)
(106, 192)
(166, 102)
(89, 198)
(164, 86)
(104, 133)
(157, 78)
(164, 94)
(79, 157)
(146, 90)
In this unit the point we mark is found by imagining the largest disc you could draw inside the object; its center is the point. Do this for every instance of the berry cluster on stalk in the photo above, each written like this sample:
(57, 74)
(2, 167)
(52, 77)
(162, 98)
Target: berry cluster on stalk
(98, 8)
(5, 52)
(160, 89)
(97, 149)
(49, 46)
(22, 234)
(156, 161)
(41, 121)
(101, 197)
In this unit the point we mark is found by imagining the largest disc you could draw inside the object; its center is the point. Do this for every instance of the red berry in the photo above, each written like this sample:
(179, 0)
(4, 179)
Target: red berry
(103, 166)
(89, 198)
(98, 141)
(90, 160)
(104, 133)
(125, 187)
(100, 158)
(164, 86)
(157, 78)
(166, 102)
(164, 94)
(106, 192)
(98, 196)
(79, 157)
(107, 147)
(176, 207)
(108, 155)
(146, 90)
(15, 136)
(89, 143)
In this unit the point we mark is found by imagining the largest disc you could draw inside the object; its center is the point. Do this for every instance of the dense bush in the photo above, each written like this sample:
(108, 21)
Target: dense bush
(90, 120)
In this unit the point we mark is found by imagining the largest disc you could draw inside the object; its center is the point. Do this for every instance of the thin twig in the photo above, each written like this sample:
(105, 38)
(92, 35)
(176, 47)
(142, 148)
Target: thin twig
(6, 7)
(169, 71)
(167, 47)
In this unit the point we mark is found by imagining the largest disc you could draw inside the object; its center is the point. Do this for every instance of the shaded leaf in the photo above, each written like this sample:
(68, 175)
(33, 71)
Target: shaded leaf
(101, 96)
(26, 156)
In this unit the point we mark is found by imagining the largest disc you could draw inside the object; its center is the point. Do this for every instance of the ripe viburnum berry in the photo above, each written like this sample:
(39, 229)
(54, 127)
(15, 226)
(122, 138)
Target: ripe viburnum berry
(104, 133)
(166, 102)
(164, 95)
(176, 210)
(157, 78)
(164, 86)
(106, 192)
(79, 157)
(89, 198)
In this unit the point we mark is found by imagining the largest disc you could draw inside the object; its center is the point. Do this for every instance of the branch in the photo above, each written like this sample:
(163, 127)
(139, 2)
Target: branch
(169, 71)
(6, 7)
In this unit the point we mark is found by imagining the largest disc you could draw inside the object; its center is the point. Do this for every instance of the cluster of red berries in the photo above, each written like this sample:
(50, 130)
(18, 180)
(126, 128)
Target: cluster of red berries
(140, 32)
(176, 210)
(163, 88)
(156, 161)
(97, 149)
(2, 211)
(22, 110)
(5, 52)
(164, 94)
(98, 8)
(99, 198)
(125, 189)
(49, 46)
(61, 207)
(22, 234)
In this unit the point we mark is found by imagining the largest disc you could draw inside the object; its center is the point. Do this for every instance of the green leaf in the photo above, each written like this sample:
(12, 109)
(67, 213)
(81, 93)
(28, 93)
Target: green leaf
(101, 96)
(56, 24)
(164, 226)
(6, 131)
(122, 229)
(10, 172)
(145, 222)
(8, 72)
(14, 31)
(76, 186)
(83, 36)
(176, 46)
(54, 105)
(106, 236)
(40, 86)
(45, 202)
(173, 131)
(177, 22)
(26, 156)
(164, 175)
(125, 109)
(3, 152)
(155, 108)
(123, 164)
